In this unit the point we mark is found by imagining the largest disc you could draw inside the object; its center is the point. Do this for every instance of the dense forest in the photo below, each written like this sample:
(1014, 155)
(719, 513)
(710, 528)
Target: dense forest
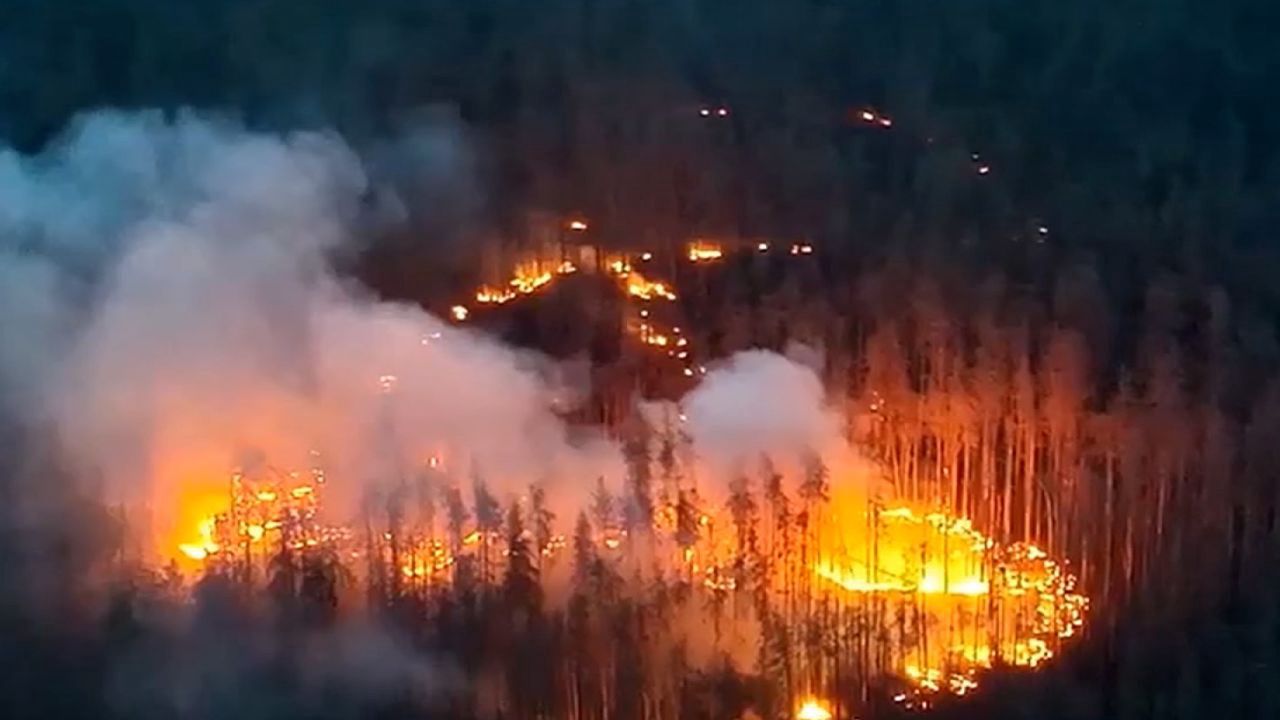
(1041, 295)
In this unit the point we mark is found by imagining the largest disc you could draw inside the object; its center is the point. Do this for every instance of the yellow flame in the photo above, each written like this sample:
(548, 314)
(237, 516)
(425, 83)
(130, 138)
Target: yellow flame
(702, 251)
(638, 287)
(527, 278)
(950, 565)
(206, 545)
(813, 710)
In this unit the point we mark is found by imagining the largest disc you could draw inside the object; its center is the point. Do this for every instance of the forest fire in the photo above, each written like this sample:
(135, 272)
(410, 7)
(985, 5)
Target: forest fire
(260, 514)
(948, 601)
(891, 582)
(639, 287)
(527, 280)
(978, 603)
(620, 361)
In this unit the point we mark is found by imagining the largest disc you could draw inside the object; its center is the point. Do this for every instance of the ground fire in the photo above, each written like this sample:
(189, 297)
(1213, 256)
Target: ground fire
(946, 601)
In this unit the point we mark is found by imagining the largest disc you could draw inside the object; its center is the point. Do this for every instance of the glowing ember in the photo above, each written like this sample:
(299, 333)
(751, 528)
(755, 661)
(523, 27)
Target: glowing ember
(459, 313)
(649, 337)
(700, 251)
(578, 225)
(528, 278)
(640, 288)
(488, 295)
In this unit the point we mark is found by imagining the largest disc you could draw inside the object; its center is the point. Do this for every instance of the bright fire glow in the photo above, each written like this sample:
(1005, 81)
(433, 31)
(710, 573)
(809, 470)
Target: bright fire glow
(702, 251)
(525, 281)
(813, 710)
(640, 288)
(975, 601)
(206, 545)
(528, 278)
(260, 513)
(948, 601)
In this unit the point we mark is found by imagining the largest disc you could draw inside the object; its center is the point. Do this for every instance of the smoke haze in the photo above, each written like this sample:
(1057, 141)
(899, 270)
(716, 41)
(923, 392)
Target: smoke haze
(170, 312)
(760, 402)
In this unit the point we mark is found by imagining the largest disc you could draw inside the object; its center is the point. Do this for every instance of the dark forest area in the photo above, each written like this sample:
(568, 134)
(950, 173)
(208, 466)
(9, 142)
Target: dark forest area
(1045, 257)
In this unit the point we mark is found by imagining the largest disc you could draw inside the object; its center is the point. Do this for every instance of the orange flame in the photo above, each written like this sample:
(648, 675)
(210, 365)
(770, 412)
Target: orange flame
(1026, 602)
(703, 251)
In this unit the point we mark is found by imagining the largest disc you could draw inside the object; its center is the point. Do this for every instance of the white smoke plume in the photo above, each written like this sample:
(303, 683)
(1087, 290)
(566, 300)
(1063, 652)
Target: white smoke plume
(167, 308)
(760, 404)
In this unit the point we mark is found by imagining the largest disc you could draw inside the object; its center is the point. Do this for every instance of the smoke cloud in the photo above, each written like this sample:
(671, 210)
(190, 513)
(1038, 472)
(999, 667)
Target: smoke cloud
(169, 311)
(762, 402)
(759, 403)
(167, 308)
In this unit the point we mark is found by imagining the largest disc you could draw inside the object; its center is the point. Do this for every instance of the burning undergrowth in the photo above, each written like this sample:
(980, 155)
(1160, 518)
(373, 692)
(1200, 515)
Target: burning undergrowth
(172, 325)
